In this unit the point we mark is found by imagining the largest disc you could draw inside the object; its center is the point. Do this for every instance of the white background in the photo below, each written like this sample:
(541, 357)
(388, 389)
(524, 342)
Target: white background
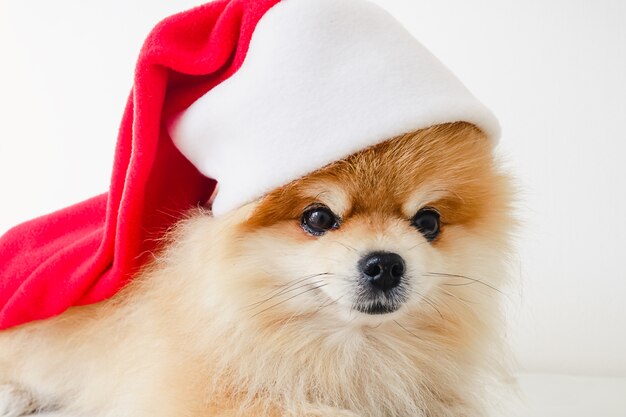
(554, 72)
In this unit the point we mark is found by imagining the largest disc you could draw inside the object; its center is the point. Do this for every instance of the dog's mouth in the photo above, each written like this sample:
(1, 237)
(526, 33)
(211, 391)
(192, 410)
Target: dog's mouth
(381, 303)
(377, 308)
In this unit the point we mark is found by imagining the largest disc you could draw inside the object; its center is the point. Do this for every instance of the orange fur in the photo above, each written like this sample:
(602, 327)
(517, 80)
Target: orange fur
(247, 315)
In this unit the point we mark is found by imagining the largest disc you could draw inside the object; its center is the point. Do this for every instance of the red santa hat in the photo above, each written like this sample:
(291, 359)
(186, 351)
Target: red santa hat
(248, 93)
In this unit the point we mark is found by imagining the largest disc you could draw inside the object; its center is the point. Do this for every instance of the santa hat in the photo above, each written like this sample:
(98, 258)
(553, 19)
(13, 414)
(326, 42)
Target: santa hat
(249, 93)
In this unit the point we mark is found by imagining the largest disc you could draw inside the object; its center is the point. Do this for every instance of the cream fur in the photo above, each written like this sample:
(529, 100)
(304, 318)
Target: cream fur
(235, 322)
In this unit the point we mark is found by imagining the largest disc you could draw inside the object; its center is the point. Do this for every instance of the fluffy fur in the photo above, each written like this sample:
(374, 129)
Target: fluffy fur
(247, 315)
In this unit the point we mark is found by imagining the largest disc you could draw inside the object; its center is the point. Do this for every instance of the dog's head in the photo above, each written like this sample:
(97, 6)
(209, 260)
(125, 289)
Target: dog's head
(396, 254)
(412, 226)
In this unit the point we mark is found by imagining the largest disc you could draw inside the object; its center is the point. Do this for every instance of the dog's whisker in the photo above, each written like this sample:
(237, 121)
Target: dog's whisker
(429, 302)
(345, 246)
(474, 280)
(332, 301)
(407, 330)
(415, 246)
(462, 300)
(286, 291)
(293, 286)
(290, 298)
(433, 305)
(464, 284)
(327, 303)
(377, 326)
(323, 305)
(285, 287)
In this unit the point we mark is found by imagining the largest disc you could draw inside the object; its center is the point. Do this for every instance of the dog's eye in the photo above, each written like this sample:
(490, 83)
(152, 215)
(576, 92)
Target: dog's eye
(427, 222)
(318, 219)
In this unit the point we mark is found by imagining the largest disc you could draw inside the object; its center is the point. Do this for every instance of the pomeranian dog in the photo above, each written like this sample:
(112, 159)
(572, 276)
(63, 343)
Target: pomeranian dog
(371, 288)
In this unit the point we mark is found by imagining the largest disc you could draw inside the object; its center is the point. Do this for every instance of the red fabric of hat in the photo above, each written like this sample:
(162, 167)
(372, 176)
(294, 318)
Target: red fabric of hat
(87, 252)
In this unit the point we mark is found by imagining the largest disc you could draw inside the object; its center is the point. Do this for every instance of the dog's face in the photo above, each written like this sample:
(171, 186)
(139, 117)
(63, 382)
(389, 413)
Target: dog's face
(409, 227)
(382, 270)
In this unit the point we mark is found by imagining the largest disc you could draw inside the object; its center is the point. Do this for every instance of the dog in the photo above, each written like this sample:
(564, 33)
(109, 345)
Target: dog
(371, 287)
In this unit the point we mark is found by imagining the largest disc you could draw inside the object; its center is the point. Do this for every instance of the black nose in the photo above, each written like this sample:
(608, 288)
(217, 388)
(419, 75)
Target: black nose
(383, 270)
